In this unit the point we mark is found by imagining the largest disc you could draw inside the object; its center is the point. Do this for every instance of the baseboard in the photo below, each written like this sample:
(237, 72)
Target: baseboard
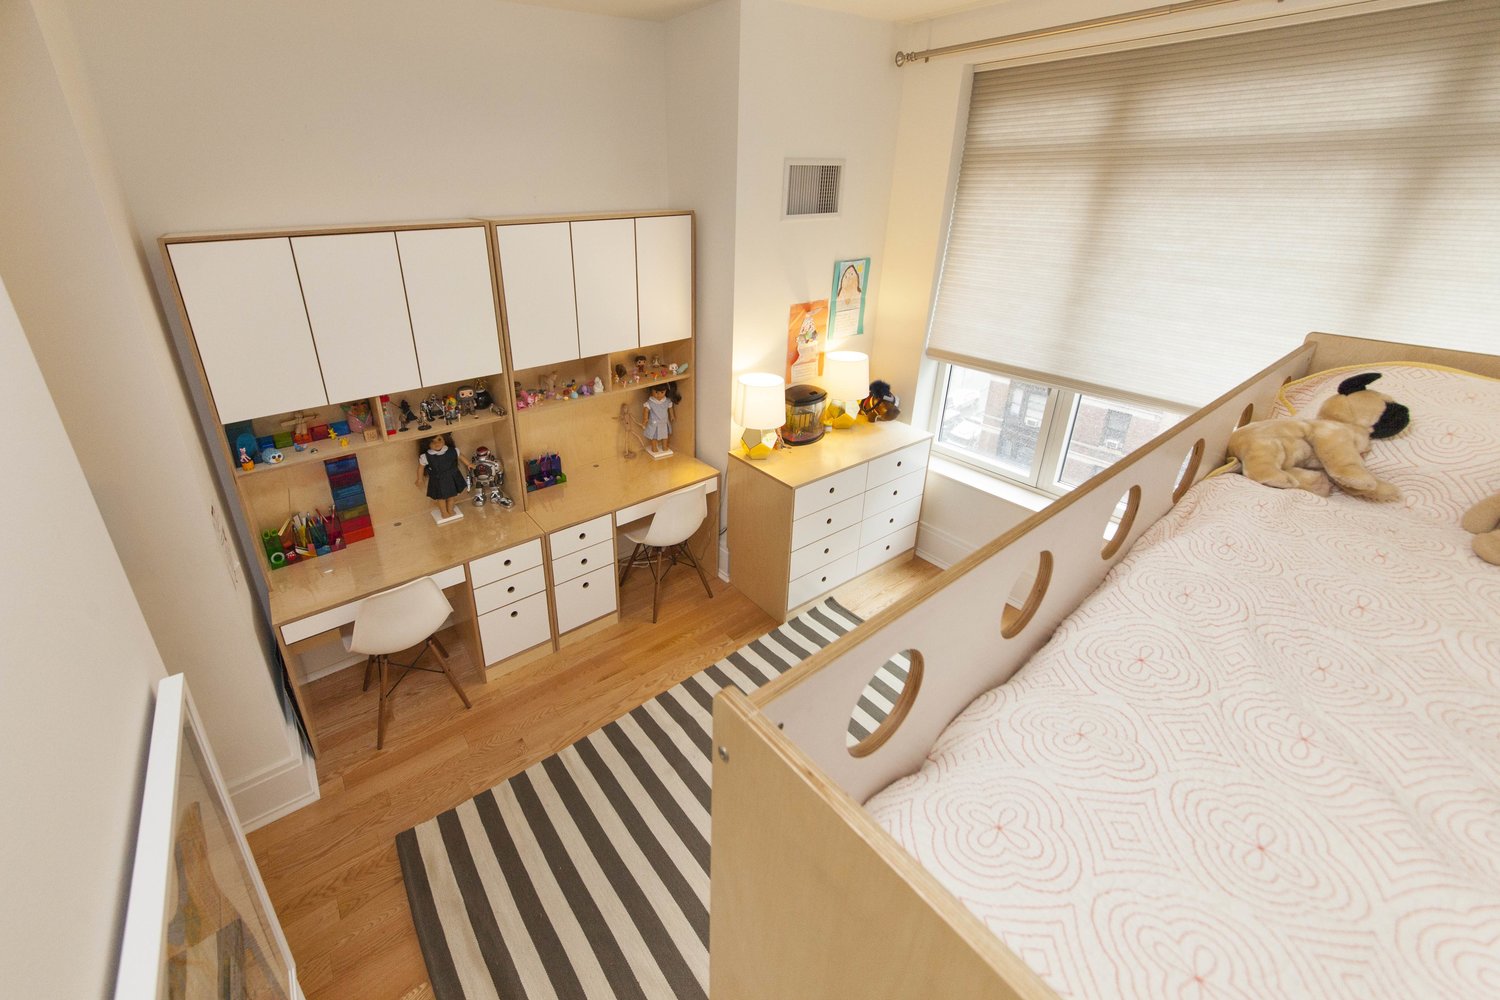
(275, 791)
(941, 548)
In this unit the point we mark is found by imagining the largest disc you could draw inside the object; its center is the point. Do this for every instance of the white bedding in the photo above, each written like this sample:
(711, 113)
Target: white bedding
(1263, 759)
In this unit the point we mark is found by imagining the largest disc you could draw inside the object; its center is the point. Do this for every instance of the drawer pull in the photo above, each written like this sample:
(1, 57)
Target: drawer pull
(513, 614)
(826, 551)
(585, 585)
(507, 562)
(891, 521)
(511, 589)
(583, 534)
(895, 493)
(899, 464)
(888, 548)
(583, 562)
(822, 579)
(829, 521)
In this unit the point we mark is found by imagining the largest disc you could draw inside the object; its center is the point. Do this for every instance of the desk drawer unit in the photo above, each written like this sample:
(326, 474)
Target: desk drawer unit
(583, 561)
(580, 536)
(507, 562)
(584, 598)
(509, 590)
(514, 628)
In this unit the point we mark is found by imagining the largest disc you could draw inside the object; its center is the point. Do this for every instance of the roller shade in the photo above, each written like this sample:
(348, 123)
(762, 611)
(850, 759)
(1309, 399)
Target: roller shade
(1166, 221)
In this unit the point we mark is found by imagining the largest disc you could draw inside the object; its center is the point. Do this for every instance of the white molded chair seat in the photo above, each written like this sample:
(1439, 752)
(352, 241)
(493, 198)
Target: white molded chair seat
(664, 540)
(395, 620)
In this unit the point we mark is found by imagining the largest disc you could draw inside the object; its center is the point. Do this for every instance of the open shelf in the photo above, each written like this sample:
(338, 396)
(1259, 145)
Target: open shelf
(321, 451)
(614, 392)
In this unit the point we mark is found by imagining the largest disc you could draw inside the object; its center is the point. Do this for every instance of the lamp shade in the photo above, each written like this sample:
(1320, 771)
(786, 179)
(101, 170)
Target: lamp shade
(762, 401)
(846, 375)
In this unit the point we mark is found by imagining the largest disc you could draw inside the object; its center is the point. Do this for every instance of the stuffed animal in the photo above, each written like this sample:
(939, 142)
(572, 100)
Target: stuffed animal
(1291, 453)
(1483, 522)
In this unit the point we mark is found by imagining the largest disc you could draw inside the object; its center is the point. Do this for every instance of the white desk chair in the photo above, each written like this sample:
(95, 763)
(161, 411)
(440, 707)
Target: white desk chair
(395, 620)
(665, 538)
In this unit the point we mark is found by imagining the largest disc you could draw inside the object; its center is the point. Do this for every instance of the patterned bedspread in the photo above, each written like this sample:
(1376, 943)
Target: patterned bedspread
(1263, 759)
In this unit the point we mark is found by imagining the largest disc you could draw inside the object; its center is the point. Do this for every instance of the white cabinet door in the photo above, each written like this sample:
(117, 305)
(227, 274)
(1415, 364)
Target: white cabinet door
(536, 279)
(245, 307)
(357, 305)
(604, 285)
(664, 266)
(452, 303)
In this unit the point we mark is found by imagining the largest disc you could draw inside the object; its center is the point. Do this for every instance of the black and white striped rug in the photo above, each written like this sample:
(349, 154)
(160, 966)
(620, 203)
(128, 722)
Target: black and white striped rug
(586, 876)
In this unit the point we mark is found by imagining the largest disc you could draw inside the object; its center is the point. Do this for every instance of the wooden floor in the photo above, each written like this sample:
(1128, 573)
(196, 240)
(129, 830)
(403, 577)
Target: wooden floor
(331, 867)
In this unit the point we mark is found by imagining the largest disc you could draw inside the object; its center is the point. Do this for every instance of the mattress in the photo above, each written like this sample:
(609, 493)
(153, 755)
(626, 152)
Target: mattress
(1263, 758)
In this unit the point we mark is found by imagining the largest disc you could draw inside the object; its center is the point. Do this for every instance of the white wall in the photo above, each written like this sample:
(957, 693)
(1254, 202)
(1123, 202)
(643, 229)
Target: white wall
(812, 83)
(75, 713)
(86, 302)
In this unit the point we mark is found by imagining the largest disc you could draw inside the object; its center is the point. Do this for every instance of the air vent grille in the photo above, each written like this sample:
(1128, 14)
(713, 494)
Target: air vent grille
(812, 188)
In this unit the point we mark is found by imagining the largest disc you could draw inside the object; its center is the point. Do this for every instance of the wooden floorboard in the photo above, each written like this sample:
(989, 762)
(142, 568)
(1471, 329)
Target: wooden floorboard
(331, 868)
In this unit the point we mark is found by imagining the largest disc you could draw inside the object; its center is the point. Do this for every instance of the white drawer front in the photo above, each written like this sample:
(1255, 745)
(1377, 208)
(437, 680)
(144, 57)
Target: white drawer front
(514, 628)
(828, 491)
(580, 536)
(584, 598)
(804, 588)
(897, 464)
(498, 565)
(887, 548)
(824, 551)
(896, 492)
(889, 521)
(583, 561)
(509, 590)
(806, 530)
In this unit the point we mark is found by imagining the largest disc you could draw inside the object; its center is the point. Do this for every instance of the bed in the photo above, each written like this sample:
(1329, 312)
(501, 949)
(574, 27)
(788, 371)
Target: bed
(1262, 759)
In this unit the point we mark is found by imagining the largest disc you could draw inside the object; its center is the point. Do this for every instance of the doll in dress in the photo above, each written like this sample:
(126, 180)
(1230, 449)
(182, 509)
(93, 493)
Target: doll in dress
(656, 414)
(446, 471)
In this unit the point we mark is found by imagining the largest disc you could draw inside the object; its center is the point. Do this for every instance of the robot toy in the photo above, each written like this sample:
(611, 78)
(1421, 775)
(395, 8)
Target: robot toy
(487, 479)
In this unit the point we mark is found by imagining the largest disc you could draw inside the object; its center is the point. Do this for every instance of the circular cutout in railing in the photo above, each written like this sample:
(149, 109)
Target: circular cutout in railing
(1013, 620)
(1117, 528)
(884, 703)
(1189, 470)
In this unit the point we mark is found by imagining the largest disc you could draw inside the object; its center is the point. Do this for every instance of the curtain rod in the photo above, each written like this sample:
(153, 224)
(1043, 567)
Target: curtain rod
(902, 58)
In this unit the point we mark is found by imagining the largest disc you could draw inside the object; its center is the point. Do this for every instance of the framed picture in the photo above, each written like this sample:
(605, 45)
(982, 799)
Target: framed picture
(198, 923)
(806, 332)
(851, 282)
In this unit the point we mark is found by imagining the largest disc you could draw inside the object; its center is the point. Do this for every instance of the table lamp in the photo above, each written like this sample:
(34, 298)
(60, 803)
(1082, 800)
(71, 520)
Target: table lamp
(761, 411)
(846, 379)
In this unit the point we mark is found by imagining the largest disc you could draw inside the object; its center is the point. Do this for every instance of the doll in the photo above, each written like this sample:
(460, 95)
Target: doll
(656, 414)
(446, 471)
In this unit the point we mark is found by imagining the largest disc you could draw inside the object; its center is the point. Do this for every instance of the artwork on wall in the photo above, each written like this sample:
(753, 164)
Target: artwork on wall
(851, 281)
(806, 333)
(199, 923)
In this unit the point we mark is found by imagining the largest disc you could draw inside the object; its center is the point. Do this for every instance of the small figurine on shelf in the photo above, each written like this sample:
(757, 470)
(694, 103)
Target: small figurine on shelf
(523, 398)
(432, 411)
(598, 385)
(672, 368)
(549, 385)
(407, 416)
(297, 424)
(450, 409)
(881, 403)
(640, 366)
(246, 462)
(482, 399)
(656, 414)
(466, 403)
(439, 462)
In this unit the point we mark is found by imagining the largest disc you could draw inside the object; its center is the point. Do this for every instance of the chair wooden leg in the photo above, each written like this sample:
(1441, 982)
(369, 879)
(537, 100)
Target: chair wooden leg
(380, 723)
(629, 563)
(442, 658)
(442, 650)
(692, 559)
(369, 669)
(656, 587)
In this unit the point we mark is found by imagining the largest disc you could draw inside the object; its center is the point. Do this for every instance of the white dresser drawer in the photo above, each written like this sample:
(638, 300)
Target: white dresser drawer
(509, 590)
(828, 491)
(583, 561)
(806, 530)
(897, 491)
(580, 536)
(584, 598)
(887, 548)
(897, 464)
(514, 628)
(804, 588)
(889, 521)
(824, 551)
(497, 565)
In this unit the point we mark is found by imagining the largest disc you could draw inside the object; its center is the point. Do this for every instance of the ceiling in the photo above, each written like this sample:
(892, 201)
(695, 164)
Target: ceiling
(661, 10)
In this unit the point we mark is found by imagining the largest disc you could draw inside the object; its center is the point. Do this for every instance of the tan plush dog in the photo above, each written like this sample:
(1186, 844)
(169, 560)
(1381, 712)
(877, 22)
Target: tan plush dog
(1311, 455)
(1483, 522)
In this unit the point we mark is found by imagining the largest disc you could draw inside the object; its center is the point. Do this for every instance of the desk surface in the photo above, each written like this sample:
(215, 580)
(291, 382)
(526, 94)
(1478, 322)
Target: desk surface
(835, 451)
(417, 546)
(592, 491)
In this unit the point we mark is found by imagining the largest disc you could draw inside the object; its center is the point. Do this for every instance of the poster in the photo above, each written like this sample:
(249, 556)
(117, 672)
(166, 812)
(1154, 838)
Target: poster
(806, 332)
(851, 278)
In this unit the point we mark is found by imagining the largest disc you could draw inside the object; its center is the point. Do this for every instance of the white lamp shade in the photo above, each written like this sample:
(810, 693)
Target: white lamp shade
(846, 375)
(762, 401)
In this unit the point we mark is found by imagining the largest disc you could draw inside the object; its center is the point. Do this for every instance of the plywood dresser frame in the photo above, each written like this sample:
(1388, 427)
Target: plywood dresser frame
(810, 897)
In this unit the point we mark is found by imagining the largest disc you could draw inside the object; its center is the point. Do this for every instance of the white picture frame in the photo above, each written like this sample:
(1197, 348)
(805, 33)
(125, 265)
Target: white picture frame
(198, 921)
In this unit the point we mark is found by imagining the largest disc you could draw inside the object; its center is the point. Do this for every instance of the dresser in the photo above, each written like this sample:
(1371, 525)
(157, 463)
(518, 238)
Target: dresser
(811, 518)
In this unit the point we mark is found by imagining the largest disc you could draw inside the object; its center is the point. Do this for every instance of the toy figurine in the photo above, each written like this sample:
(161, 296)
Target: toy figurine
(640, 364)
(487, 475)
(450, 410)
(619, 374)
(482, 398)
(598, 384)
(439, 461)
(656, 413)
(246, 462)
(881, 403)
(466, 402)
(407, 416)
(672, 368)
(549, 385)
(432, 410)
(272, 457)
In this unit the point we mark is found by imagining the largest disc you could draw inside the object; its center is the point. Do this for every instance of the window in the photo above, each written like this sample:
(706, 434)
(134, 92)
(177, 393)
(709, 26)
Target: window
(1046, 437)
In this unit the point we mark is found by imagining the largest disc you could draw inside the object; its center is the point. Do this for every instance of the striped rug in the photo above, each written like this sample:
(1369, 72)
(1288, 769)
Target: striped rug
(586, 876)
